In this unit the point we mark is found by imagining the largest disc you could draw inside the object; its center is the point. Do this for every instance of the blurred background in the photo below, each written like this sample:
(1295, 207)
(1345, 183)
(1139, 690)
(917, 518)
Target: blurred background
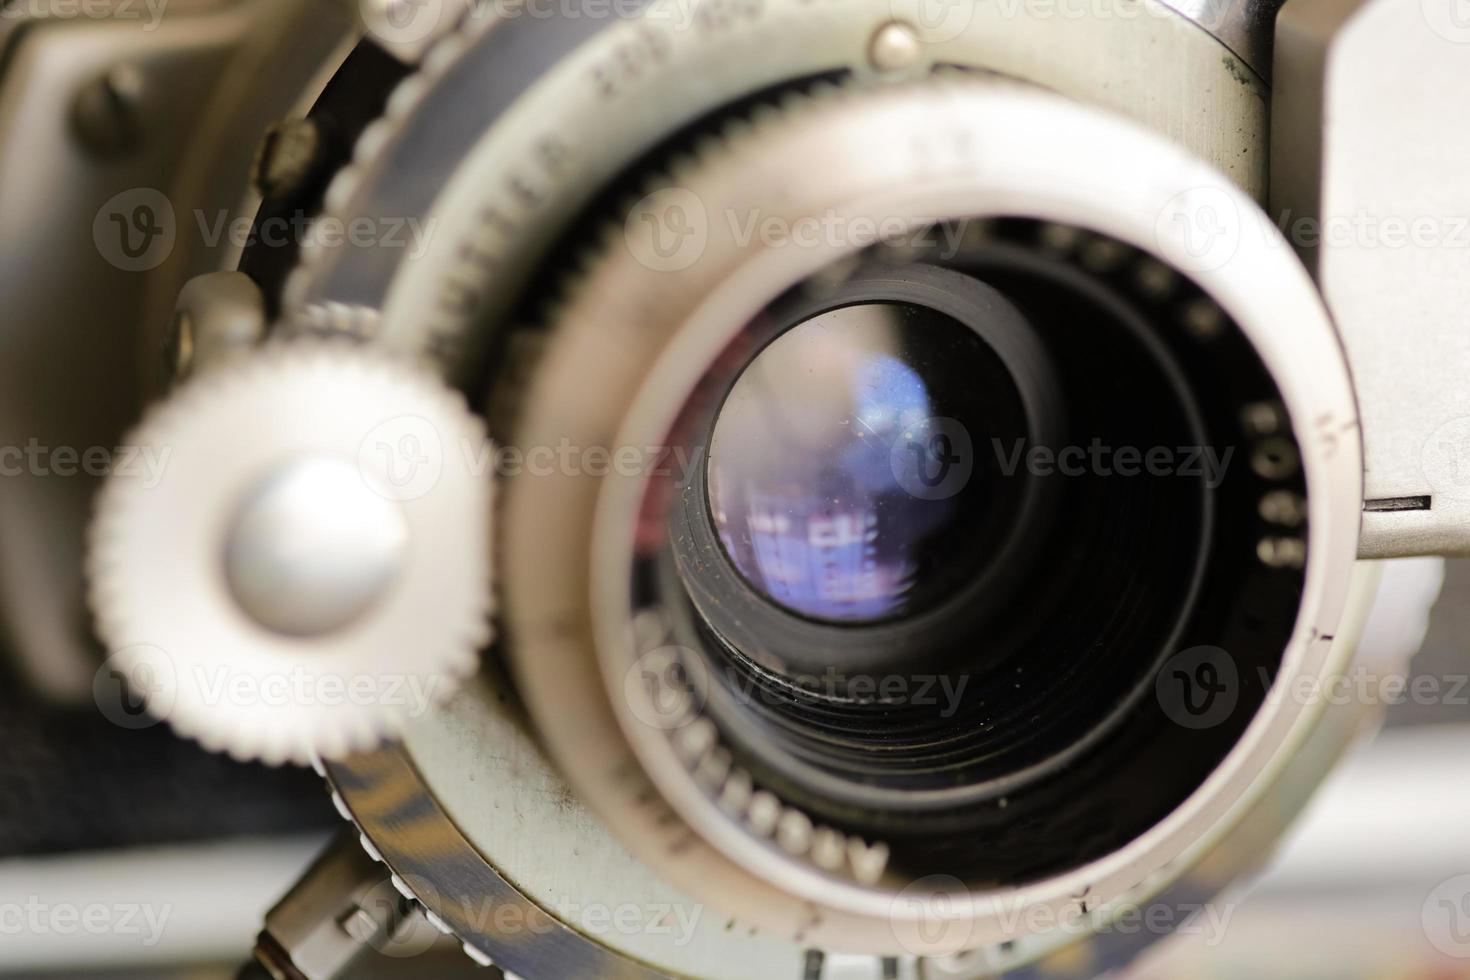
(126, 852)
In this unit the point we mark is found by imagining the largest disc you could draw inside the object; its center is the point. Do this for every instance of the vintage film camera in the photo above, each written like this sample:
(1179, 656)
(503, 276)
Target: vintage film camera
(909, 452)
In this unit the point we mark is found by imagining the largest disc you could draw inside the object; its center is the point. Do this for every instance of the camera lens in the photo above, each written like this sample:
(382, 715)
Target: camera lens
(853, 514)
(842, 476)
(956, 514)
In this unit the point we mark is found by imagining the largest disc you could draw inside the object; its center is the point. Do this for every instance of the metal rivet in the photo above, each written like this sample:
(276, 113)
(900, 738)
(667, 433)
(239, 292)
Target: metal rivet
(1203, 319)
(1155, 279)
(287, 158)
(1262, 419)
(105, 114)
(218, 315)
(1284, 508)
(895, 47)
(1282, 552)
(1275, 459)
(1060, 238)
(1103, 255)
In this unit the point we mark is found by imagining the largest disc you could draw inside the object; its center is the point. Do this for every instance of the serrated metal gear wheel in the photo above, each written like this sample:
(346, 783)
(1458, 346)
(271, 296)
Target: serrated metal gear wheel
(307, 567)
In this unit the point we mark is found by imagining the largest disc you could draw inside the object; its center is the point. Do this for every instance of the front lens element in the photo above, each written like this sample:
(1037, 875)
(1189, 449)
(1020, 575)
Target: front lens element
(842, 475)
(957, 515)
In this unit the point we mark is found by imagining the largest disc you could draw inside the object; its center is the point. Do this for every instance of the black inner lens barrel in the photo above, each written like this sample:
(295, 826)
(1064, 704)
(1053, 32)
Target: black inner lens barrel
(957, 514)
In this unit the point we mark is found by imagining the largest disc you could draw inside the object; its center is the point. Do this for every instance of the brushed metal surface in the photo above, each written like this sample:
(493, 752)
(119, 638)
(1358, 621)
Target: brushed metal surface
(1369, 145)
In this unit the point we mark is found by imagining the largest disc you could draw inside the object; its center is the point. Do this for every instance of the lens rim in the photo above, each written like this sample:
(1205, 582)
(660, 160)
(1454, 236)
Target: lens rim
(769, 740)
(745, 619)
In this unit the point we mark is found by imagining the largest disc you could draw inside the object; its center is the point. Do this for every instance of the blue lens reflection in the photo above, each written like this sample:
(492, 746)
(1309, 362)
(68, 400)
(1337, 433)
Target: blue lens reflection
(821, 455)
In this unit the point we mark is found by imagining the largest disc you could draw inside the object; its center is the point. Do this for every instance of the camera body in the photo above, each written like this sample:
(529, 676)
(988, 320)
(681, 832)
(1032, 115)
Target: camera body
(1325, 177)
(1259, 246)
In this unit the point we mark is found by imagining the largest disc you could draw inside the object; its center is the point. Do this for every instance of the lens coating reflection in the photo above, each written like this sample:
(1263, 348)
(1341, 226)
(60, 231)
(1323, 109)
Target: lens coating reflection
(842, 475)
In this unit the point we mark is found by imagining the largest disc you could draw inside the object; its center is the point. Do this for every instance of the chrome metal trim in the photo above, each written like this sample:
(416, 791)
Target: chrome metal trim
(1246, 27)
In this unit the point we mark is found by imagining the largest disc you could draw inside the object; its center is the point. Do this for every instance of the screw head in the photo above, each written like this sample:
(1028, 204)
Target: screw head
(359, 924)
(895, 47)
(287, 157)
(105, 114)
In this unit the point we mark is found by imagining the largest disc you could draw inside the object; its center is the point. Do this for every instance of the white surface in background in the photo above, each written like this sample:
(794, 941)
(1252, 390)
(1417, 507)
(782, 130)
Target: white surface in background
(190, 903)
(1387, 828)
(1397, 811)
(1346, 897)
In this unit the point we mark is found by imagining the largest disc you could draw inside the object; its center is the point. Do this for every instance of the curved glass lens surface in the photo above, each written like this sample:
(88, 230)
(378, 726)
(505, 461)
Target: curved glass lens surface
(842, 471)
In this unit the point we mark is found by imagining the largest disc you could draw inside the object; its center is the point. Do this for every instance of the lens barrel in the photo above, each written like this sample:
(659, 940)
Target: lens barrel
(959, 513)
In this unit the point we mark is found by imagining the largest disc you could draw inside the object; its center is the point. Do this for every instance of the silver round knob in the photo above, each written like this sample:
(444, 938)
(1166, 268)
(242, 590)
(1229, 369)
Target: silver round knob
(313, 548)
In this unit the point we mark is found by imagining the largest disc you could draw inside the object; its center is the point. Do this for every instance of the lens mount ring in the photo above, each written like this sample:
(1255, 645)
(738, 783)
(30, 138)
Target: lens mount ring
(740, 623)
(633, 341)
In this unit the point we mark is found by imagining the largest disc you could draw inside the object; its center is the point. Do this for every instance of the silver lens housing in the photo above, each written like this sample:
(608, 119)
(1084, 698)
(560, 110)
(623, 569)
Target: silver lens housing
(418, 804)
(637, 335)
